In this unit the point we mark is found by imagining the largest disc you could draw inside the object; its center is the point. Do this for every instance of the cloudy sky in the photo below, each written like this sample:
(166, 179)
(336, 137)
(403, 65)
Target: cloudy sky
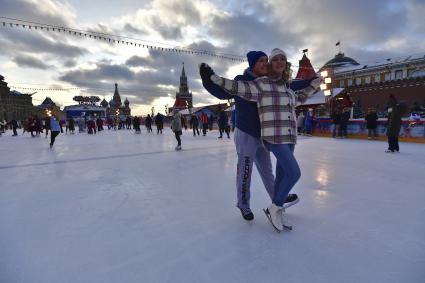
(368, 31)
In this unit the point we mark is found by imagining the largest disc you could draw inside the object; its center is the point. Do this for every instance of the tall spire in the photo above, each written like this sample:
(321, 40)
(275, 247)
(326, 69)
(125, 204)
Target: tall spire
(117, 98)
(183, 72)
(183, 96)
(183, 79)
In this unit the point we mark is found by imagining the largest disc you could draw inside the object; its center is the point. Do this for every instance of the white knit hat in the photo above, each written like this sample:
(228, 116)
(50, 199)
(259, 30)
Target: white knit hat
(276, 52)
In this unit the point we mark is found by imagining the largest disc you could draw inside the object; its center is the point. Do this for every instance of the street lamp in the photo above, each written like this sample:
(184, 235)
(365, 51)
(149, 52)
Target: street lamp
(326, 87)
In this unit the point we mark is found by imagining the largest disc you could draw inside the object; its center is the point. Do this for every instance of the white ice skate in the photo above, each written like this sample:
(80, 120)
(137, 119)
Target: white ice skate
(285, 223)
(179, 147)
(274, 214)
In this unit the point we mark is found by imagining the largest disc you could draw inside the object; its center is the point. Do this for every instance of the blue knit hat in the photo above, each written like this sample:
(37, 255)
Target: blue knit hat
(253, 57)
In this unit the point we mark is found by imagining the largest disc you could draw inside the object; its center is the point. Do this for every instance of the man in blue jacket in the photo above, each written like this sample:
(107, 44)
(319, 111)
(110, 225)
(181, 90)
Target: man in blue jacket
(248, 136)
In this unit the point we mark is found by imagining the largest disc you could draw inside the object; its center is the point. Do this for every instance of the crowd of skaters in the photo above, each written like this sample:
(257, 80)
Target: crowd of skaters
(38, 126)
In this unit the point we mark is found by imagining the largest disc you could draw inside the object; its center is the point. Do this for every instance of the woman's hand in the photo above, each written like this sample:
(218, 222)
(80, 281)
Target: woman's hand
(206, 72)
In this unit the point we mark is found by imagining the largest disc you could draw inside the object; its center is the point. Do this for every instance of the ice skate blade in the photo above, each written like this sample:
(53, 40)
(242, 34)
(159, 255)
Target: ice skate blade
(270, 219)
(287, 227)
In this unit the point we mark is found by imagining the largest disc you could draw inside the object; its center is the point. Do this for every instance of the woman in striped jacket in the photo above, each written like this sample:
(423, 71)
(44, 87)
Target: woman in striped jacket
(276, 107)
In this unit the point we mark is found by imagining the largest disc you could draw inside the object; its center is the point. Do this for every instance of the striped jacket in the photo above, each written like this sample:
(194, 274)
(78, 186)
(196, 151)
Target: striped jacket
(276, 104)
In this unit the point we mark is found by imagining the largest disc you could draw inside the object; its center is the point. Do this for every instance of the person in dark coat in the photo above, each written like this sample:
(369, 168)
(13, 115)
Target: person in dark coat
(14, 127)
(336, 118)
(308, 122)
(210, 122)
(194, 122)
(183, 120)
(47, 125)
(148, 123)
(345, 117)
(136, 125)
(394, 125)
(71, 125)
(223, 124)
(371, 124)
(159, 122)
(99, 123)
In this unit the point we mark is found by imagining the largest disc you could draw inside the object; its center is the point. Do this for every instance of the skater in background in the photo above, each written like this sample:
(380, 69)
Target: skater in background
(61, 123)
(81, 124)
(336, 118)
(47, 125)
(223, 124)
(128, 123)
(71, 125)
(66, 126)
(371, 124)
(210, 122)
(277, 136)
(14, 127)
(184, 123)
(204, 120)
(55, 129)
(91, 128)
(136, 125)
(345, 117)
(159, 122)
(148, 123)
(300, 123)
(99, 123)
(194, 124)
(176, 126)
(24, 126)
(308, 122)
(394, 124)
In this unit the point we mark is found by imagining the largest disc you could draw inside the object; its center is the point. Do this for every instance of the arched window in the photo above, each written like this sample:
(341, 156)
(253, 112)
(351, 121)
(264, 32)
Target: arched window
(417, 74)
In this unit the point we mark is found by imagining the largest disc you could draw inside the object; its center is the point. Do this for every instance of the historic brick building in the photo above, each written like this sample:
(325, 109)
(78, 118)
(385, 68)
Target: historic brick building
(14, 104)
(370, 85)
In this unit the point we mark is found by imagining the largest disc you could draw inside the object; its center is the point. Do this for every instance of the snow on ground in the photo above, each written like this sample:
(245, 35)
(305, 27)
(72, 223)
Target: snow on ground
(120, 207)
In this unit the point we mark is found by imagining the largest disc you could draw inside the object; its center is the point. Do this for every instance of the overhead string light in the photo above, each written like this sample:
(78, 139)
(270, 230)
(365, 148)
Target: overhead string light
(118, 39)
(85, 89)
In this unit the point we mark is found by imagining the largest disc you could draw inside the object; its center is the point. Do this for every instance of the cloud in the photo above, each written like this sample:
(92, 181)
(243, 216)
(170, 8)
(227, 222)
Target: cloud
(15, 40)
(103, 71)
(145, 77)
(53, 12)
(165, 18)
(30, 61)
(70, 63)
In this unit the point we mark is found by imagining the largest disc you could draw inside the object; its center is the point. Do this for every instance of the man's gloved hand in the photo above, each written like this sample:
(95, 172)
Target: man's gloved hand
(206, 72)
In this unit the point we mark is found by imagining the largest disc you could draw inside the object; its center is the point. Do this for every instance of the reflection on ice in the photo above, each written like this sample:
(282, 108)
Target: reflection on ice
(322, 176)
(320, 194)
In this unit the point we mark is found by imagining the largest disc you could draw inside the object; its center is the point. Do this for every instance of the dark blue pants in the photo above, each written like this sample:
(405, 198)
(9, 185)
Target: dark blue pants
(287, 171)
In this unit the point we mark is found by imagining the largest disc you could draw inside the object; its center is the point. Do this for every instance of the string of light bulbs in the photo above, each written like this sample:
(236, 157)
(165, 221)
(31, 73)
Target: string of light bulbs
(114, 39)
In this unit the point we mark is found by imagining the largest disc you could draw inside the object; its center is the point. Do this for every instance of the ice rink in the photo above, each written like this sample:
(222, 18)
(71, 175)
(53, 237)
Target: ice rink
(120, 207)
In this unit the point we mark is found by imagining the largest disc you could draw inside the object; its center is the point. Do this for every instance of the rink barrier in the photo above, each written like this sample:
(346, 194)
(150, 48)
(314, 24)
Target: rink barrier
(356, 128)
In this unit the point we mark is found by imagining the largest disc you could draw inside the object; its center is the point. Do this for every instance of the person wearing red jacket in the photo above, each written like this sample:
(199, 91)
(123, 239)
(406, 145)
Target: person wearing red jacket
(204, 120)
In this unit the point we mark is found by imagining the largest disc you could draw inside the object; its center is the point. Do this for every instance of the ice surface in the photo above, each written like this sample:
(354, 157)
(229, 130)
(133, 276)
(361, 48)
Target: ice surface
(120, 207)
